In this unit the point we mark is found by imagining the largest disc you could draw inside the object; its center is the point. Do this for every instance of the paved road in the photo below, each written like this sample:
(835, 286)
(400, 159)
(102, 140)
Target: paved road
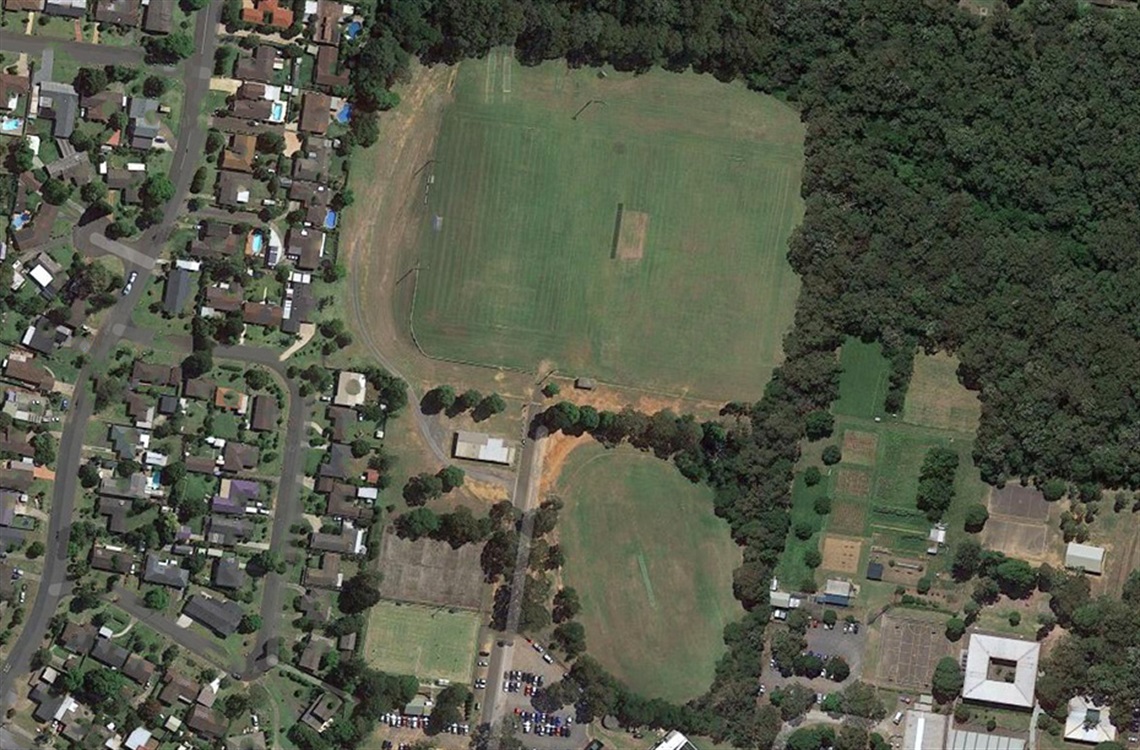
(91, 54)
(191, 144)
(525, 498)
(204, 646)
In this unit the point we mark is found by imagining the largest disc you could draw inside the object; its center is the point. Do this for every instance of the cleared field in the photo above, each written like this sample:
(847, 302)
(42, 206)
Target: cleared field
(863, 385)
(841, 554)
(910, 648)
(652, 566)
(935, 398)
(428, 642)
(431, 572)
(523, 255)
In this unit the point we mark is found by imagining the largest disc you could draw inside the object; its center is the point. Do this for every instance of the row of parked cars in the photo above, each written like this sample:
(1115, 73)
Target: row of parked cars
(543, 724)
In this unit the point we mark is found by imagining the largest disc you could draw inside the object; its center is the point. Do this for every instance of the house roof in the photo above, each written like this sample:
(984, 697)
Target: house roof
(238, 457)
(341, 419)
(315, 112)
(224, 300)
(200, 388)
(205, 721)
(310, 660)
(116, 510)
(351, 388)
(165, 572)
(228, 573)
(252, 109)
(119, 12)
(336, 466)
(24, 5)
(99, 107)
(342, 503)
(266, 13)
(60, 103)
(327, 575)
(306, 246)
(13, 86)
(343, 543)
(29, 373)
(983, 650)
(265, 413)
(179, 285)
(264, 314)
(78, 638)
(220, 615)
(106, 652)
(227, 531)
(312, 165)
(239, 155)
(258, 66)
(139, 669)
(200, 464)
(326, 23)
(178, 688)
(113, 559)
(76, 167)
(234, 188)
(325, 71)
(159, 16)
(148, 374)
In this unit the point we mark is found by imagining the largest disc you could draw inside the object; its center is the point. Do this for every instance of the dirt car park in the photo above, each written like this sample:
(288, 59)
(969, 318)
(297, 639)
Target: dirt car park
(530, 670)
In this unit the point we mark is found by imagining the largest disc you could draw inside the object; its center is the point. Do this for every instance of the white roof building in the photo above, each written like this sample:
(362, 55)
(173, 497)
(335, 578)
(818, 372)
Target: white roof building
(674, 741)
(987, 653)
(1085, 556)
(350, 389)
(1088, 722)
(478, 446)
(41, 276)
(926, 730)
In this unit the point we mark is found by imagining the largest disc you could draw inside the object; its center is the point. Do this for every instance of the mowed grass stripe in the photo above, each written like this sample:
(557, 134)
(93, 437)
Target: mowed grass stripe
(522, 271)
(652, 566)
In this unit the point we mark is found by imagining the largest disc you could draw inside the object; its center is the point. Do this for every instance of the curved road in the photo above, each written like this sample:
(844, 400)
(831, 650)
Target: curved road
(196, 74)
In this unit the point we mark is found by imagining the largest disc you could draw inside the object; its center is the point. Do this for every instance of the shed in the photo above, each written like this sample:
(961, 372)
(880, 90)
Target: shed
(1084, 557)
(875, 571)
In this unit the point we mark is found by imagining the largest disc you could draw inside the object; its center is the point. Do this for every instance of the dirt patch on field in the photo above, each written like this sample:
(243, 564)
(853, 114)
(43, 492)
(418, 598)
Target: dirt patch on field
(430, 572)
(558, 449)
(841, 553)
(632, 228)
(935, 398)
(848, 516)
(1015, 538)
(615, 398)
(909, 650)
(485, 491)
(860, 447)
(1019, 502)
(853, 482)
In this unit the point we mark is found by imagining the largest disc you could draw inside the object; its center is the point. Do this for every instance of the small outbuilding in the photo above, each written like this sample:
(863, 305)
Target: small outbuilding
(1084, 557)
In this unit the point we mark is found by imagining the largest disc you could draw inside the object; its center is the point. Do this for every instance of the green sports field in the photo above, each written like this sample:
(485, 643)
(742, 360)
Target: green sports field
(428, 642)
(524, 258)
(652, 566)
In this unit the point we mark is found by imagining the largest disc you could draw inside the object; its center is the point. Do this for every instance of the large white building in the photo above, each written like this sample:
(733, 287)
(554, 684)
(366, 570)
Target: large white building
(674, 741)
(1088, 722)
(926, 730)
(478, 446)
(1084, 557)
(990, 660)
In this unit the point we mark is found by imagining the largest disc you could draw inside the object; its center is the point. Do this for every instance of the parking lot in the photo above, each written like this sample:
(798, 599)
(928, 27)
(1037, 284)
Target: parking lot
(549, 731)
(834, 642)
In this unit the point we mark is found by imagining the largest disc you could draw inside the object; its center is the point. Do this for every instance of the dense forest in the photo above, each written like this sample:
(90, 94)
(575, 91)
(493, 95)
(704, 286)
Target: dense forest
(970, 185)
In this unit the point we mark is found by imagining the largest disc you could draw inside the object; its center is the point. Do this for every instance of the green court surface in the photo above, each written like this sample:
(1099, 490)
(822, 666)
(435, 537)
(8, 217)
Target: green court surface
(652, 566)
(641, 240)
(428, 642)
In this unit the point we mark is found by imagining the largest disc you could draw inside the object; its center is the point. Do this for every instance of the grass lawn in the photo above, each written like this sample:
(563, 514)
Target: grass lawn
(688, 289)
(864, 383)
(652, 566)
(225, 425)
(428, 642)
(791, 570)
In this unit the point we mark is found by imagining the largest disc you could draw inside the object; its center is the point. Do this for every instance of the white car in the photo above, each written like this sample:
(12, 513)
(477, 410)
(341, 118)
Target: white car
(130, 283)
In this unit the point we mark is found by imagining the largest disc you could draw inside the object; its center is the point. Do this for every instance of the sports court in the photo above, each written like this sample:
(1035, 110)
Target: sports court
(909, 650)
(431, 572)
(428, 642)
(1019, 502)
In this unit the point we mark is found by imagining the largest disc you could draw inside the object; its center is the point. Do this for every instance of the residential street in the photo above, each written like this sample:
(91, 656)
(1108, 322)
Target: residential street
(54, 585)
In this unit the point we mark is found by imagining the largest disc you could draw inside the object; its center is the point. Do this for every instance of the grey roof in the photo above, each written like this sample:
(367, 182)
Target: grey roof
(159, 16)
(337, 465)
(108, 653)
(220, 615)
(228, 574)
(165, 572)
(63, 102)
(179, 284)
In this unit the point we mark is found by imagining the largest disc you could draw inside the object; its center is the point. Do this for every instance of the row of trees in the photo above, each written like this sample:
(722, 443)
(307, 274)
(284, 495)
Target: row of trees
(443, 398)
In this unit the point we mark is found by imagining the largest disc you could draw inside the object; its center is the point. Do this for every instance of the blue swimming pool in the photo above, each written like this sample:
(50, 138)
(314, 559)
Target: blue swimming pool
(256, 242)
(330, 220)
(278, 111)
(9, 125)
(344, 113)
(20, 219)
(353, 29)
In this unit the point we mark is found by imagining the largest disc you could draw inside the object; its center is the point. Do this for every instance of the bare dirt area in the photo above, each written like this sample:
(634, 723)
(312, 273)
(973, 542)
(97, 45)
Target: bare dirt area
(859, 447)
(909, 649)
(431, 572)
(853, 482)
(1016, 538)
(847, 516)
(1019, 502)
(631, 235)
(841, 554)
(380, 231)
